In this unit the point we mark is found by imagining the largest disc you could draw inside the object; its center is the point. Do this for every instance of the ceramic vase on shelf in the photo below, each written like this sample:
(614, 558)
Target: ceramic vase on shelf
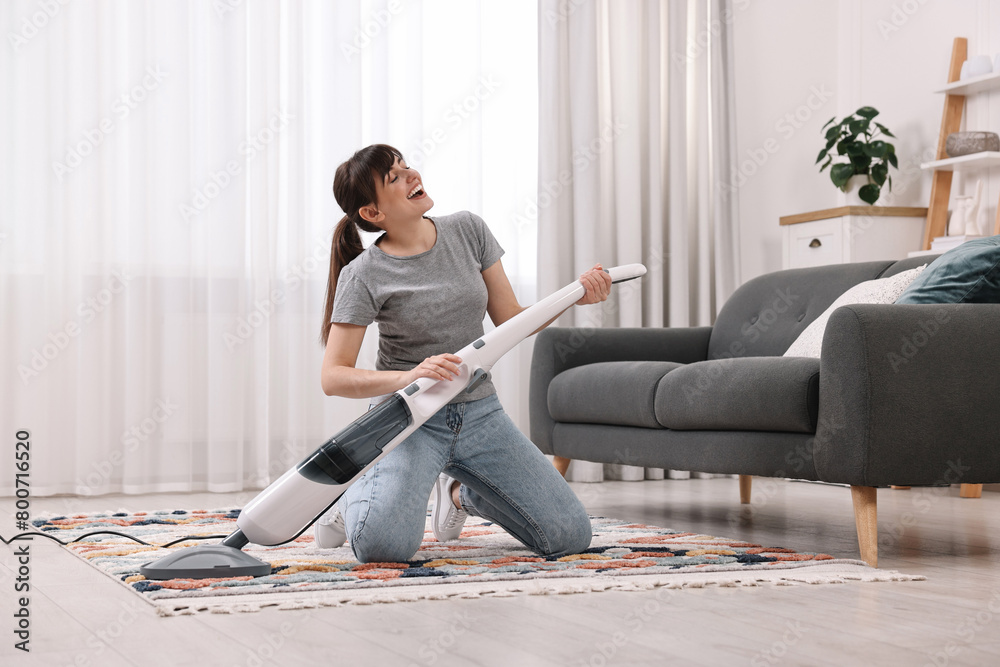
(960, 206)
(854, 184)
(966, 216)
(976, 66)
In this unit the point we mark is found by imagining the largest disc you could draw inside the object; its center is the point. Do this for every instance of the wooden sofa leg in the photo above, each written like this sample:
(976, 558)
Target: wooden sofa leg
(866, 521)
(971, 491)
(746, 481)
(561, 463)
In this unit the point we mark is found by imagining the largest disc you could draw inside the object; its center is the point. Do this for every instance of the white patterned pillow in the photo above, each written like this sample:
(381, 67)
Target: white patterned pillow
(884, 290)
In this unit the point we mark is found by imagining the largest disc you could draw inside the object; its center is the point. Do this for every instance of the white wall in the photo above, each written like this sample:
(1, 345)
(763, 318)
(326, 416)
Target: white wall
(797, 64)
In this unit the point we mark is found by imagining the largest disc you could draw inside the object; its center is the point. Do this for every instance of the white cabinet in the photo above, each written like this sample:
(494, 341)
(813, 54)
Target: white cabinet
(851, 234)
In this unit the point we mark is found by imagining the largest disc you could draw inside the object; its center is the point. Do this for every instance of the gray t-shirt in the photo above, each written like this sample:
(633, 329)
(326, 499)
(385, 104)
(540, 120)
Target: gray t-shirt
(425, 304)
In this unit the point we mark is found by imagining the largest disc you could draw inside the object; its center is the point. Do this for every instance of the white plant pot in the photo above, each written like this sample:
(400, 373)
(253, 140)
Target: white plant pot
(854, 184)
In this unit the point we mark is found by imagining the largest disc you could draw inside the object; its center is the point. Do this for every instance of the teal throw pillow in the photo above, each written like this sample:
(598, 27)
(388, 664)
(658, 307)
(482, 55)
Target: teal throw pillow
(969, 273)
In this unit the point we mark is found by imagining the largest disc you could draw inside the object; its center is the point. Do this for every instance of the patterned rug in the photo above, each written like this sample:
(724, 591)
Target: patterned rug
(484, 561)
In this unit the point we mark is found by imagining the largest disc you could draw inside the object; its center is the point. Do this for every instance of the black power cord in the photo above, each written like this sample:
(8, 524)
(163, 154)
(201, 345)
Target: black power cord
(112, 532)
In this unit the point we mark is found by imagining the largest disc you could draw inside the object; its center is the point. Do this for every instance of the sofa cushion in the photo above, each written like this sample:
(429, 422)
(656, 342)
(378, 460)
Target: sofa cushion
(741, 394)
(767, 313)
(969, 273)
(611, 392)
(884, 290)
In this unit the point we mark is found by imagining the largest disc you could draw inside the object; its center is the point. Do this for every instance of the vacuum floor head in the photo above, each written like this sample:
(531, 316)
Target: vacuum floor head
(205, 561)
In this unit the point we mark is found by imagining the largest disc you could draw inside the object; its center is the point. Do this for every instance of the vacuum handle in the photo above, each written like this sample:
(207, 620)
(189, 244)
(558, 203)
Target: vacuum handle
(484, 352)
(620, 274)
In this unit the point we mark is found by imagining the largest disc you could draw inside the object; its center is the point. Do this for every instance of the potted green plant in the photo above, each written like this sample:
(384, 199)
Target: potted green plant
(856, 138)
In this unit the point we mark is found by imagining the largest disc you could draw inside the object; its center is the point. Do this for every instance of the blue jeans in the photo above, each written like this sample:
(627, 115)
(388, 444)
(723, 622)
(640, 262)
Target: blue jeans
(504, 477)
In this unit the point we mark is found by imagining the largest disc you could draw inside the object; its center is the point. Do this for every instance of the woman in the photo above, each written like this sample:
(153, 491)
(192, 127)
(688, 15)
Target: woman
(428, 283)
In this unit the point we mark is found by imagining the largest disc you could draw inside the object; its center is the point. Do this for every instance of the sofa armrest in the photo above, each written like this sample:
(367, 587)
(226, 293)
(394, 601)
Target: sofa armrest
(909, 395)
(560, 348)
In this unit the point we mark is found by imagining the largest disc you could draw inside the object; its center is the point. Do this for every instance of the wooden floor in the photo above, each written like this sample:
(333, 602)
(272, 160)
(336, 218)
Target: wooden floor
(80, 618)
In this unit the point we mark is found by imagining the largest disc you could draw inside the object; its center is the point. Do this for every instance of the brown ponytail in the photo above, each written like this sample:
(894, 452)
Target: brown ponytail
(354, 187)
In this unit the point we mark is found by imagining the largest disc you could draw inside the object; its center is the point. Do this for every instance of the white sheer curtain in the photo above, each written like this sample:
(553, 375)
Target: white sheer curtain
(167, 208)
(636, 128)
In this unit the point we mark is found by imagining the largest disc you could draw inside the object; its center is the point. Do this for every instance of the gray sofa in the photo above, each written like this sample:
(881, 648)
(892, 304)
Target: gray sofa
(902, 394)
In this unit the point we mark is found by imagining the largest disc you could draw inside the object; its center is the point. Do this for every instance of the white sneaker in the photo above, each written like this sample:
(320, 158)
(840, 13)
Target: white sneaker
(329, 531)
(446, 519)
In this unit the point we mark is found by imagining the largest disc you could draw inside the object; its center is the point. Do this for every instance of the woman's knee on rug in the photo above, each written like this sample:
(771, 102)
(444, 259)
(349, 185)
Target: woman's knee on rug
(384, 548)
(571, 536)
(568, 535)
(565, 523)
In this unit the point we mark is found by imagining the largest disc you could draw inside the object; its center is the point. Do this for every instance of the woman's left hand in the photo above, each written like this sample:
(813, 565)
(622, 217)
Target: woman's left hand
(597, 282)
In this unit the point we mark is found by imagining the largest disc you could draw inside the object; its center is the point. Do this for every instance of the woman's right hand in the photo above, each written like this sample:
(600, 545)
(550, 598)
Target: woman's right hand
(438, 367)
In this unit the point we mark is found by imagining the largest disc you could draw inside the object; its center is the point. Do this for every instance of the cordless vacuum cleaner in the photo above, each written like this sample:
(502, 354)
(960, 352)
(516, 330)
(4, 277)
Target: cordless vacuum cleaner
(286, 508)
